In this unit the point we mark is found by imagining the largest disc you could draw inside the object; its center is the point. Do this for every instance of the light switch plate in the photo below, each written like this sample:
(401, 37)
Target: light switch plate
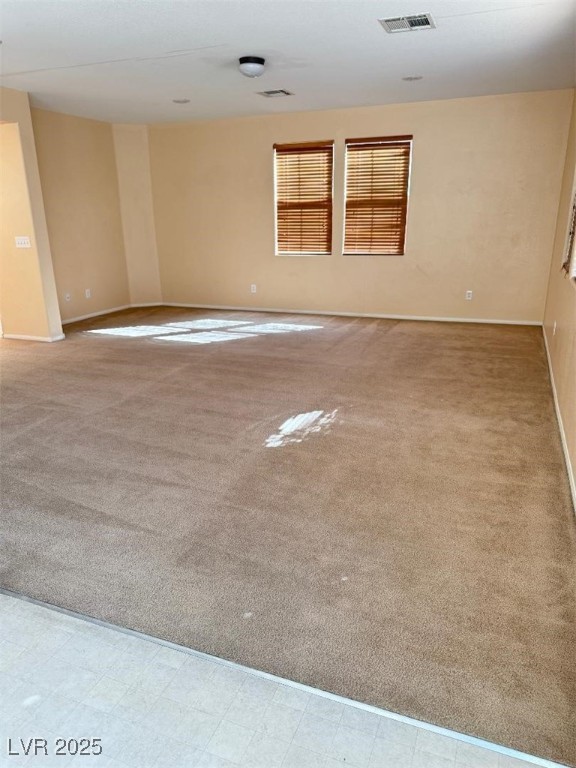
(22, 241)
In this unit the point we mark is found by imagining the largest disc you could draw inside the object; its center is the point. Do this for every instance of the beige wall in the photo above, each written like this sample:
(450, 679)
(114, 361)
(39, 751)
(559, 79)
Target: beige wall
(484, 194)
(135, 187)
(78, 173)
(561, 310)
(21, 297)
(29, 304)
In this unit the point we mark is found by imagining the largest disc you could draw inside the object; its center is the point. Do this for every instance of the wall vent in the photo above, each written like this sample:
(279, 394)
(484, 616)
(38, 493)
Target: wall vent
(275, 94)
(408, 23)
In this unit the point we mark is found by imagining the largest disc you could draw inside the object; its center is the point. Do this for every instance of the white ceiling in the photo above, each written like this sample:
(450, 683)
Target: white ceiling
(125, 60)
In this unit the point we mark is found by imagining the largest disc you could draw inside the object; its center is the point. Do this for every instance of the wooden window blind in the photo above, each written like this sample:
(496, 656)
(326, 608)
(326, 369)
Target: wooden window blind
(304, 197)
(377, 172)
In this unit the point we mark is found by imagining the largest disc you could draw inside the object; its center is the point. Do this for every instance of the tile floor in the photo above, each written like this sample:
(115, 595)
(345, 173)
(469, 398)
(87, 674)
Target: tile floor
(156, 706)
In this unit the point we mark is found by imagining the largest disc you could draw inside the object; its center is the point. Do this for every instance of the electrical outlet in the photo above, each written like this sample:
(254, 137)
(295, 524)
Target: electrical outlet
(253, 288)
(554, 329)
(88, 293)
(22, 241)
(67, 296)
(468, 295)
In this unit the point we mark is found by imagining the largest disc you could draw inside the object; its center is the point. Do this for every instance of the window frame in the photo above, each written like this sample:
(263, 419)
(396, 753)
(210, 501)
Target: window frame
(569, 251)
(372, 140)
(328, 143)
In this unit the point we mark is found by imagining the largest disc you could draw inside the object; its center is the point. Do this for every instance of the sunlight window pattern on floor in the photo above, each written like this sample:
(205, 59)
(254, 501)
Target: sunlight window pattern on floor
(206, 337)
(134, 330)
(204, 330)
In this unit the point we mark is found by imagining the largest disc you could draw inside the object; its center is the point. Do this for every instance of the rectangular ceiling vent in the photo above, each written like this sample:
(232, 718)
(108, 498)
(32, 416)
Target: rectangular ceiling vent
(275, 94)
(408, 23)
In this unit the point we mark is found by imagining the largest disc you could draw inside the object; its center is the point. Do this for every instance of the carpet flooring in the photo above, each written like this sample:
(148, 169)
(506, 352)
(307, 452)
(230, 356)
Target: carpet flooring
(375, 508)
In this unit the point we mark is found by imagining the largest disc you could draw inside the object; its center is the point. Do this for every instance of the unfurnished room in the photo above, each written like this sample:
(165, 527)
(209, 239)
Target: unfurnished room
(288, 383)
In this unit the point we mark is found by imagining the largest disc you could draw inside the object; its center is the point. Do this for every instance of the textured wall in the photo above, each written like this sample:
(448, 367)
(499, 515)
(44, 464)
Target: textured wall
(135, 186)
(80, 186)
(485, 184)
(28, 291)
(561, 309)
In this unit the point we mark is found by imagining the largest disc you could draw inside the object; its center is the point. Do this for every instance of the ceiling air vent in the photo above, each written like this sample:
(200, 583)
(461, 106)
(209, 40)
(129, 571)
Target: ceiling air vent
(408, 23)
(275, 94)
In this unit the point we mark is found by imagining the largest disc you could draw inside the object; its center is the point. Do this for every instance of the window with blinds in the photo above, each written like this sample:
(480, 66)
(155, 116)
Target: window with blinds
(303, 175)
(377, 175)
(569, 263)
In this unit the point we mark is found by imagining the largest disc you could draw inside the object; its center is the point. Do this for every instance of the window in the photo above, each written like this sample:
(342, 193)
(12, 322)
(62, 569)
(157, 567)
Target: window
(377, 174)
(304, 197)
(569, 264)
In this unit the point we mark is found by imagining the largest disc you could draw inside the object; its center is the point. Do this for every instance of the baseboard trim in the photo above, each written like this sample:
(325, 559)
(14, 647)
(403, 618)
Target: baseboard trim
(497, 748)
(563, 438)
(111, 311)
(21, 337)
(376, 316)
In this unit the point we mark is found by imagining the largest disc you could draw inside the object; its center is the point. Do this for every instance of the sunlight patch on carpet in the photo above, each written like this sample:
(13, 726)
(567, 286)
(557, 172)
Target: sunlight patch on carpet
(135, 330)
(280, 328)
(207, 324)
(208, 337)
(204, 330)
(298, 428)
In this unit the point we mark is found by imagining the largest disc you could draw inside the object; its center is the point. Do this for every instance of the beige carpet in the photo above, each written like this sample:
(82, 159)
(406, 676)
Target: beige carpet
(415, 550)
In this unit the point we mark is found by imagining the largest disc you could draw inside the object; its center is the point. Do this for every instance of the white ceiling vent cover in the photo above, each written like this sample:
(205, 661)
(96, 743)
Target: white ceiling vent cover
(275, 94)
(408, 23)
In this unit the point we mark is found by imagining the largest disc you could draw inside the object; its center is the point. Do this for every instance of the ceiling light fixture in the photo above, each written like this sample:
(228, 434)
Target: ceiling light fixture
(251, 66)
(412, 78)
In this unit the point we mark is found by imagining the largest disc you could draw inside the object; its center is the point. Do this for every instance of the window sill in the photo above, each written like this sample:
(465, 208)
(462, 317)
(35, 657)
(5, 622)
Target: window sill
(356, 253)
(310, 254)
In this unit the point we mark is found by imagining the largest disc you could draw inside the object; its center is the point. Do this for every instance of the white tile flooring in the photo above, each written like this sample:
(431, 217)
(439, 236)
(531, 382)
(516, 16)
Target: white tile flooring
(154, 705)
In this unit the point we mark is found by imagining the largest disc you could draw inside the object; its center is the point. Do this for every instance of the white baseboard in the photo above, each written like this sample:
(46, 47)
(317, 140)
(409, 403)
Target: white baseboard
(111, 311)
(377, 316)
(21, 337)
(569, 468)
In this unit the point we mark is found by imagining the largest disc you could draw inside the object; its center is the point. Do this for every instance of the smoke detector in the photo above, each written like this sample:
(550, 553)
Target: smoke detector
(408, 23)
